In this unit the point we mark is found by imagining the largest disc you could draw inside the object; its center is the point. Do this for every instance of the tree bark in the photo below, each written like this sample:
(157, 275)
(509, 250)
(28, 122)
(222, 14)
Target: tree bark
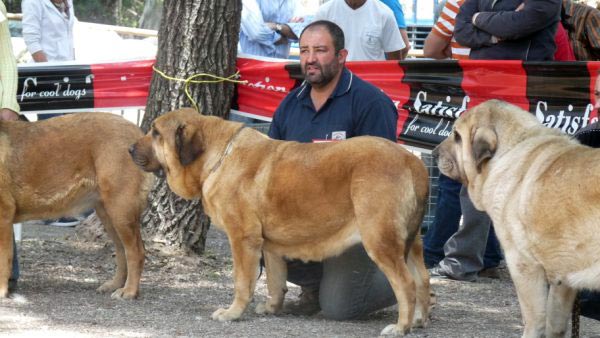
(195, 36)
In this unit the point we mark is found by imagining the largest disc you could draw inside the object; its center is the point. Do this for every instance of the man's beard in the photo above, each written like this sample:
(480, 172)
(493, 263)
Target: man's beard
(325, 76)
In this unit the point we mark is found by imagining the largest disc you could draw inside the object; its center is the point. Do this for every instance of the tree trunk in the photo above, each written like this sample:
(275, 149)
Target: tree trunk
(195, 36)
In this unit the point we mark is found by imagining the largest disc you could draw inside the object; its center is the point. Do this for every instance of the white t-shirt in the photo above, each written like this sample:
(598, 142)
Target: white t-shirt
(370, 31)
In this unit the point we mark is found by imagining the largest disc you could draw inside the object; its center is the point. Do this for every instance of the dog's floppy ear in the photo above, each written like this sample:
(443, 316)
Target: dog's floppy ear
(188, 145)
(484, 146)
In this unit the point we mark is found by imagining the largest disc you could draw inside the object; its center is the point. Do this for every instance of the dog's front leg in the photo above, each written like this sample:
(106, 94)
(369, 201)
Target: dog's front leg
(276, 269)
(245, 250)
(558, 309)
(6, 253)
(532, 291)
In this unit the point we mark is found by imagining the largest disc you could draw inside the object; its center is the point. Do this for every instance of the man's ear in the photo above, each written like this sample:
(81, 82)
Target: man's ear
(484, 146)
(342, 55)
(188, 145)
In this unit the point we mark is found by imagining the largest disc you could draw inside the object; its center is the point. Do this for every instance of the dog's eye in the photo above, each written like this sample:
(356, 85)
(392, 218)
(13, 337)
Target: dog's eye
(155, 133)
(457, 137)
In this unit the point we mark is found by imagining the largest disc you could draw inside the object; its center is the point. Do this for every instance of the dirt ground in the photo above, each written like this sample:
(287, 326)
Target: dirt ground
(60, 272)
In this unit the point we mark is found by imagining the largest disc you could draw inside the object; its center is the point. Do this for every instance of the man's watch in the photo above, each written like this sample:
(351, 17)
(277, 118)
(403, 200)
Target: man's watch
(278, 28)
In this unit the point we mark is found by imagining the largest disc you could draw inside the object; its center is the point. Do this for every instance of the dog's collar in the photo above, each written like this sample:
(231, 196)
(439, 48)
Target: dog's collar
(227, 151)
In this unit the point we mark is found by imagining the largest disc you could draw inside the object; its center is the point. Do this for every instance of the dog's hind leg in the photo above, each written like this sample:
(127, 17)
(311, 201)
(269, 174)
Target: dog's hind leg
(385, 247)
(419, 271)
(120, 276)
(245, 249)
(276, 269)
(124, 216)
(558, 309)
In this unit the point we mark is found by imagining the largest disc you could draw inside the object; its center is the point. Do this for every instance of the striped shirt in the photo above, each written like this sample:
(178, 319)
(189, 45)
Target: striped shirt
(256, 37)
(444, 27)
(583, 24)
(8, 66)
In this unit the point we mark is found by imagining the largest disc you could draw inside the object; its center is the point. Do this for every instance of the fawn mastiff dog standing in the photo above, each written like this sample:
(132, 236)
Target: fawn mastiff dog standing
(293, 200)
(65, 166)
(540, 189)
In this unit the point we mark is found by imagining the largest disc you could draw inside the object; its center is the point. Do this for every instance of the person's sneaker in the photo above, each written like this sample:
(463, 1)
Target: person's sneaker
(438, 273)
(306, 305)
(12, 285)
(64, 222)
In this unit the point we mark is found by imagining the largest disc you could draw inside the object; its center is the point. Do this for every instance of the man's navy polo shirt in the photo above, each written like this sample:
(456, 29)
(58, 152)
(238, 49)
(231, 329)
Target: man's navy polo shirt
(354, 108)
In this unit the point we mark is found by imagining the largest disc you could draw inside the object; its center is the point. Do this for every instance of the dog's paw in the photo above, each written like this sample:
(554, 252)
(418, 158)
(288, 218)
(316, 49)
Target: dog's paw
(107, 287)
(420, 322)
(265, 309)
(123, 294)
(394, 331)
(225, 315)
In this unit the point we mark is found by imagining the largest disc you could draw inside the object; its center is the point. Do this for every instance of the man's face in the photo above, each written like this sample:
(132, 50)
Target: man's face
(597, 93)
(319, 62)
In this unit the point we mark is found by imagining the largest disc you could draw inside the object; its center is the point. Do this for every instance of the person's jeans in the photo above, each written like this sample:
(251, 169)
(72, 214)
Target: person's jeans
(350, 285)
(15, 263)
(493, 253)
(445, 222)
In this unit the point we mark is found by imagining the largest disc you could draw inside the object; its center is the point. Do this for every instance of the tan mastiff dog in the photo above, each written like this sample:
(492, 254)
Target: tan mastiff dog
(540, 189)
(65, 166)
(297, 200)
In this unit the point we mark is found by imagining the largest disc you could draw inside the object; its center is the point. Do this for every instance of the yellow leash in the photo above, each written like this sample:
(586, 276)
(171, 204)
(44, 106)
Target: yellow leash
(191, 79)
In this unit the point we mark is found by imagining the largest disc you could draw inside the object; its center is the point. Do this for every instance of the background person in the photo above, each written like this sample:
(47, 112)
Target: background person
(48, 29)
(589, 301)
(582, 23)
(506, 30)
(440, 44)
(334, 104)
(269, 26)
(369, 27)
(396, 8)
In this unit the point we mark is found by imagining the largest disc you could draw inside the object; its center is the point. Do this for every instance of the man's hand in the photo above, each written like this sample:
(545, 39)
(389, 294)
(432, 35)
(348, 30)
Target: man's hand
(282, 41)
(284, 30)
(39, 56)
(8, 115)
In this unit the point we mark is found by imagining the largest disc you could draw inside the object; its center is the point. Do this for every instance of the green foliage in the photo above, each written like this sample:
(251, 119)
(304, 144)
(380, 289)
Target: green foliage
(110, 12)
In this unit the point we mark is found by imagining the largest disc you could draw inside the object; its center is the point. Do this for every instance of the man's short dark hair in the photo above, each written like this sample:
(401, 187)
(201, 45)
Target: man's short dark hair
(337, 35)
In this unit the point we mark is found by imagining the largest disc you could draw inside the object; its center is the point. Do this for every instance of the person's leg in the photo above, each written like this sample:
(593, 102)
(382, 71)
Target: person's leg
(308, 276)
(465, 249)
(589, 301)
(445, 223)
(493, 252)
(14, 276)
(353, 286)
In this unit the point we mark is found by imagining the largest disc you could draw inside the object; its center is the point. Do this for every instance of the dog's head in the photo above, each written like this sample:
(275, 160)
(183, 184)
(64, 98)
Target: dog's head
(476, 139)
(175, 145)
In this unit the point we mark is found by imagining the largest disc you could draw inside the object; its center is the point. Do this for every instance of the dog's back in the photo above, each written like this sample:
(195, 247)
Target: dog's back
(56, 166)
